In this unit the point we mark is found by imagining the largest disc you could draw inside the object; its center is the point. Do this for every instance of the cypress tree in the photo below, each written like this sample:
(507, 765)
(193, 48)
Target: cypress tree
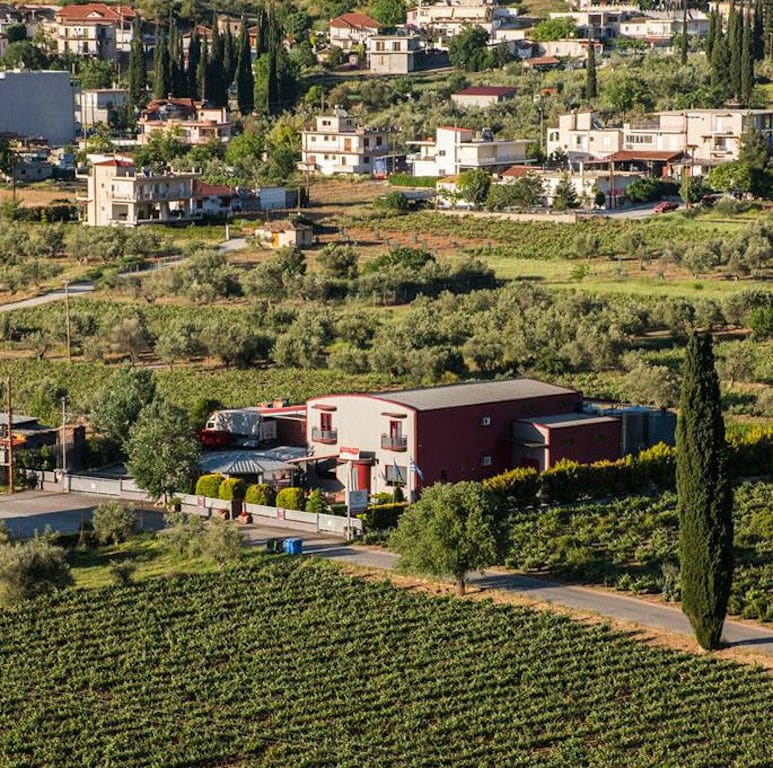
(161, 82)
(591, 87)
(712, 34)
(201, 72)
(758, 36)
(720, 62)
(245, 82)
(683, 51)
(138, 77)
(704, 496)
(734, 42)
(767, 27)
(192, 74)
(747, 61)
(231, 55)
(217, 87)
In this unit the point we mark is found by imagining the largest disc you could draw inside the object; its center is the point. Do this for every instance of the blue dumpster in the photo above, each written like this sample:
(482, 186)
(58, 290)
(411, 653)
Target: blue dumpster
(293, 546)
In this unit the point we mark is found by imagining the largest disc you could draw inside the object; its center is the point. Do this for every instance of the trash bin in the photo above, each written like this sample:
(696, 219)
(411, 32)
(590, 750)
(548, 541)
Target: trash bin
(274, 546)
(293, 546)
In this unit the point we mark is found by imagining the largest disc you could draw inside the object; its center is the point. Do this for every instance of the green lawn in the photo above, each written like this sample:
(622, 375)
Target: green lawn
(290, 663)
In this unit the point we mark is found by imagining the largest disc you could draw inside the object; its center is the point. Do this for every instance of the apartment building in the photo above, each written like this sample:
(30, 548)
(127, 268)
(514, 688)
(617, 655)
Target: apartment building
(455, 150)
(394, 54)
(663, 25)
(120, 194)
(706, 137)
(195, 122)
(350, 30)
(94, 29)
(336, 144)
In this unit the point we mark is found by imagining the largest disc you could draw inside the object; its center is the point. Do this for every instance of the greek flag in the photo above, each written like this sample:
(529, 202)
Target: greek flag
(398, 474)
(414, 467)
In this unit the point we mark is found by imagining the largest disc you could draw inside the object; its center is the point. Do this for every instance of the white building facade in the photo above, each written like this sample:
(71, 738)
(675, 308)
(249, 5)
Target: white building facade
(194, 122)
(99, 105)
(336, 144)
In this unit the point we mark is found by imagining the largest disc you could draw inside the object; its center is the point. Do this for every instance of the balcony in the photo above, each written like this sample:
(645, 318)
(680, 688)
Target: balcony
(326, 436)
(394, 442)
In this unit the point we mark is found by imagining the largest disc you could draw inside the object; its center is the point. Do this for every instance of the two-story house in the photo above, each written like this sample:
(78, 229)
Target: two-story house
(94, 29)
(395, 54)
(121, 194)
(350, 30)
(336, 144)
(195, 122)
(455, 150)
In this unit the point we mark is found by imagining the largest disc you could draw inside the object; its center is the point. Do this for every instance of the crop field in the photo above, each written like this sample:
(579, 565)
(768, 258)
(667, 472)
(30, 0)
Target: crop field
(294, 664)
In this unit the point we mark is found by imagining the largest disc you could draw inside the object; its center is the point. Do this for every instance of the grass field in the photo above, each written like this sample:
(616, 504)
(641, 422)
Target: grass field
(291, 663)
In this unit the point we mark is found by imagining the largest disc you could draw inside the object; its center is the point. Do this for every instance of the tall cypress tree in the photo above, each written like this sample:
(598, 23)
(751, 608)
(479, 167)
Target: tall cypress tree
(767, 27)
(734, 41)
(216, 85)
(201, 75)
(162, 85)
(230, 55)
(747, 61)
(712, 33)
(758, 35)
(704, 496)
(138, 76)
(683, 50)
(591, 86)
(720, 62)
(245, 82)
(194, 57)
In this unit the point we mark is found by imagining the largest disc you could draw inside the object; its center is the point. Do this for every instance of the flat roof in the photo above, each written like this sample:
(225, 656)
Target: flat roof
(472, 393)
(562, 420)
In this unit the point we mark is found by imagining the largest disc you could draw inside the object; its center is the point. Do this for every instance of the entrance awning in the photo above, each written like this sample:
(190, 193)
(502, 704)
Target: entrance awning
(309, 459)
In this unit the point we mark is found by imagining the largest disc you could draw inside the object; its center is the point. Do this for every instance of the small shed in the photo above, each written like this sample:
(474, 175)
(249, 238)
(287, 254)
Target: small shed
(483, 95)
(271, 466)
(286, 233)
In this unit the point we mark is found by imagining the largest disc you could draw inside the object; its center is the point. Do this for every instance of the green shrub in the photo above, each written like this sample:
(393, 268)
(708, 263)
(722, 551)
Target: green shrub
(520, 485)
(316, 503)
(122, 572)
(222, 541)
(33, 568)
(381, 517)
(260, 494)
(208, 485)
(184, 534)
(113, 521)
(291, 498)
(232, 488)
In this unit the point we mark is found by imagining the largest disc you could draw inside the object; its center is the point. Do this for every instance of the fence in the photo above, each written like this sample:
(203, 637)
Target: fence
(126, 488)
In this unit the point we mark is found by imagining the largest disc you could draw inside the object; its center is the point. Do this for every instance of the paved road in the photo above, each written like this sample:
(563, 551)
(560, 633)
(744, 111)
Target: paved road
(235, 244)
(75, 290)
(34, 509)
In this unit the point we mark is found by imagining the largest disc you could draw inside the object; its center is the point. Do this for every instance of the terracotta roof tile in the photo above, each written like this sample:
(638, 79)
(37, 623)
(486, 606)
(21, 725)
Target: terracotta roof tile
(487, 90)
(93, 12)
(354, 21)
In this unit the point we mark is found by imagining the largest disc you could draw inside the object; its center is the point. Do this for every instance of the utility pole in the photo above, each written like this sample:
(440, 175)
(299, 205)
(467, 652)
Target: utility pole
(64, 435)
(9, 433)
(67, 319)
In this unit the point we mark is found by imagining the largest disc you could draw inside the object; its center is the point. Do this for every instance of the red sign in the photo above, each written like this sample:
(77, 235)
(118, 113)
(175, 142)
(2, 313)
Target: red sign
(350, 454)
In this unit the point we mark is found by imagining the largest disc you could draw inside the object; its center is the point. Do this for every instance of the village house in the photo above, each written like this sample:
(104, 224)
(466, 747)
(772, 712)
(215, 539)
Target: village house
(454, 150)
(121, 194)
(280, 234)
(703, 137)
(447, 19)
(337, 144)
(95, 106)
(394, 54)
(352, 30)
(194, 122)
(483, 96)
(569, 48)
(94, 29)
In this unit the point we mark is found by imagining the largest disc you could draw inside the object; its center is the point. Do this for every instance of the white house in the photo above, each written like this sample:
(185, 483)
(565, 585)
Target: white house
(455, 150)
(120, 194)
(350, 30)
(99, 105)
(94, 29)
(483, 96)
(279, 234)
(448, 18)
(336, 144)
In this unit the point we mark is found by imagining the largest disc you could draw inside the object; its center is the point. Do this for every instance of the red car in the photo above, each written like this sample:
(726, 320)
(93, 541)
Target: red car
(665, 207)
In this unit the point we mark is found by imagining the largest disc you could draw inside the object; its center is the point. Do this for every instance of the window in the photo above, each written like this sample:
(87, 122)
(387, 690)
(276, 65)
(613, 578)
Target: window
(485, 461)
(365, 159)
(326, 422)
(396, 46)
(485, 421)
(366, 142)
(395, 474)
(380, 45)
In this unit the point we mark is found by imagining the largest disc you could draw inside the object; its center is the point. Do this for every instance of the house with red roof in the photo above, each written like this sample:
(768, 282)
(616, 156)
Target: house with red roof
(195, 122)
(97, 30)
(483, 95)
(350, 30)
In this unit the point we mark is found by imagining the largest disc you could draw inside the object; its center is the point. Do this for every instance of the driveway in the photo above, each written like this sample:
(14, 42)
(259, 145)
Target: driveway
(75, 290)
(32, 510)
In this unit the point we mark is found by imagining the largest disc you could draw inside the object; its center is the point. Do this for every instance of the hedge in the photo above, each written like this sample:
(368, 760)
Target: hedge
(291, 498)
(232, 488)
(260, 494)
(380, 517)
(208, 485)
(750, 455)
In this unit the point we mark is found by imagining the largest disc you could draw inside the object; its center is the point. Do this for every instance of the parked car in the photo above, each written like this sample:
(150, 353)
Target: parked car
(666, 206)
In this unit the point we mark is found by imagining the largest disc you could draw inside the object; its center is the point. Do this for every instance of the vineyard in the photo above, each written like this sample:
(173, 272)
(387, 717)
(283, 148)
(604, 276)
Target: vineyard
(632, 544)
(293, 664)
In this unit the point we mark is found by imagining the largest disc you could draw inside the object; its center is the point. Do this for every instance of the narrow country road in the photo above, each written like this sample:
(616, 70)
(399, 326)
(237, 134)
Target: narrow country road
(32, 510)
(87, 286)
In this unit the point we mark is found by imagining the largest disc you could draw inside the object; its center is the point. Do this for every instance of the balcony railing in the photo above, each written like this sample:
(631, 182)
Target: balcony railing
(326, 436)
(394, 443)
